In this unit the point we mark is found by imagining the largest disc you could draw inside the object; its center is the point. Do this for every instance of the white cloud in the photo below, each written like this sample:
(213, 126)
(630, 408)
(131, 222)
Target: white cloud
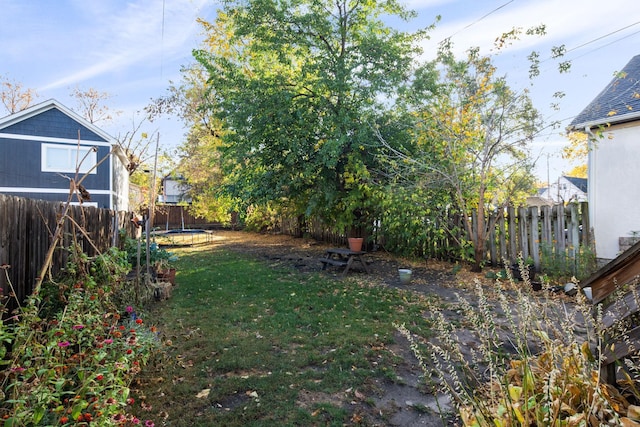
(113, 40)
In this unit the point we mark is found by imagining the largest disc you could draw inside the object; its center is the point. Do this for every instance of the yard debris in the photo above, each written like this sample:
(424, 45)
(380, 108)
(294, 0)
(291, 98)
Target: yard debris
(204, 393)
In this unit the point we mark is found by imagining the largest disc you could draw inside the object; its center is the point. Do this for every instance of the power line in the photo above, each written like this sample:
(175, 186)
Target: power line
(480, 19)
(604, 36)
(605, 45)
(162, 42)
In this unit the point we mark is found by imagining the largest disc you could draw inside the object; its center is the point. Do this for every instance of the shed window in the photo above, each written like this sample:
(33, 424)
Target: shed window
(64, 158)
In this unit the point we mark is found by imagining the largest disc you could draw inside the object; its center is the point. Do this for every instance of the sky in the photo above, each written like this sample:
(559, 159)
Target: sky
(133, 50)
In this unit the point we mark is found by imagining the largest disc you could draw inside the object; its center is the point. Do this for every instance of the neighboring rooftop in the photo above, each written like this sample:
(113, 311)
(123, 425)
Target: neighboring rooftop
(618, 102)
(580, 183)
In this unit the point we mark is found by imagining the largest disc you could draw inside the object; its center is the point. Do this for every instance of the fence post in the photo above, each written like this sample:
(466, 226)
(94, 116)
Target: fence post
(547, 233)
(559, 229)
(513, 246)
(586, 224)
(535, 237)
(492, 240)
(503, 238)
(573, 235)
(524, 238)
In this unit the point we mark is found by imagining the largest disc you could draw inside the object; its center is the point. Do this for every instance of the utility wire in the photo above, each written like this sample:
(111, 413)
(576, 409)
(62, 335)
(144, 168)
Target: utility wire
(162, 42)
(479, 19)
(605, 45)
(602, 37)
(596, 39)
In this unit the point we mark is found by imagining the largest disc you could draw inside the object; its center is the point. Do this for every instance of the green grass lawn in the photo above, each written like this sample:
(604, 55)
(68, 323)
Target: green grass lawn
(249, 344)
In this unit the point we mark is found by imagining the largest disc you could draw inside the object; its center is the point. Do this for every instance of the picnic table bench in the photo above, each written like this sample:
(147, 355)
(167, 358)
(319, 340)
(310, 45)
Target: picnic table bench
(342, 257)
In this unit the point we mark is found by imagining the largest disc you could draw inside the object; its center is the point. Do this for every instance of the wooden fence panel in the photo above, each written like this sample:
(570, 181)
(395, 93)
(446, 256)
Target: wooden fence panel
(26, 230)
(529, 232)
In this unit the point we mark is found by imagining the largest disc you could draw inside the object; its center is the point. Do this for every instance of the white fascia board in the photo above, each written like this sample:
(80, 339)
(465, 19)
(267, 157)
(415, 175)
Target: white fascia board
(615, 119)
(46, 190)
(83, 142)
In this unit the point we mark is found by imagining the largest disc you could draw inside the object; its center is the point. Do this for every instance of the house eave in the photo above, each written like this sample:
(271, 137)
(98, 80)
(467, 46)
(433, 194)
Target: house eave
(615, 119)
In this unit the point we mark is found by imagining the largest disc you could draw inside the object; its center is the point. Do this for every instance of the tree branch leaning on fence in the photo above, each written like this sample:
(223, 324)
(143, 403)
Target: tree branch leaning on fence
(74, 188)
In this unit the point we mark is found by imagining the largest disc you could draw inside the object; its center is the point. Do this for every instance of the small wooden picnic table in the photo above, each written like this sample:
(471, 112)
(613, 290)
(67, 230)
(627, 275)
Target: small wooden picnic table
(342, 257)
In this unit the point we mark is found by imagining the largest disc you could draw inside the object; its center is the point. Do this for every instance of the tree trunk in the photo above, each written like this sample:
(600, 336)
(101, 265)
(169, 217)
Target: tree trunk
(478, 252)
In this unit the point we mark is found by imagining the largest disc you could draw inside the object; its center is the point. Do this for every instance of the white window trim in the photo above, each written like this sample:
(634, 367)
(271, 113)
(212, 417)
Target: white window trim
(91, 204)
(90, 161)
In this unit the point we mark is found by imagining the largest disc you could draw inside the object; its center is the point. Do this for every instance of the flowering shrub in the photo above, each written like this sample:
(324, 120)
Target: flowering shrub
(75, 365)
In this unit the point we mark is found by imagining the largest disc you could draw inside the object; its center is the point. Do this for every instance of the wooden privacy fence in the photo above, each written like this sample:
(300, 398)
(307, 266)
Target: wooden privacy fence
(558, 231)
(26, 231)
(535, 233)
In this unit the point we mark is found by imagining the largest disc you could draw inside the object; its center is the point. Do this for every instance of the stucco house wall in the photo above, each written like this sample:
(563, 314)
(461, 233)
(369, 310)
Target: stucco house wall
(612, 124)
(614, 201)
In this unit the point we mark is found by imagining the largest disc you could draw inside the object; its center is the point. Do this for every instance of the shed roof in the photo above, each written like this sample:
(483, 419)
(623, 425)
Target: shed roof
(618, 102)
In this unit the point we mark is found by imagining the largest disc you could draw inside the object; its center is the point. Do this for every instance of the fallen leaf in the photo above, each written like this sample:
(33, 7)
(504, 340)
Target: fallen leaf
(203, 393)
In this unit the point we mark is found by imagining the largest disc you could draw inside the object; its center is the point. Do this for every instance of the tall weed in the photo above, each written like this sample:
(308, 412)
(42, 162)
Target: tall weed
(534, 359)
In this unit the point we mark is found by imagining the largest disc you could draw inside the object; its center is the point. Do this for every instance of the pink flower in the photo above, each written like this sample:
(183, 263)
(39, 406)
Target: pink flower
(108, 341)
(78, 327)
(17, 369)
(135, 420)
(149, 423)
(129, 309)
(63, 344)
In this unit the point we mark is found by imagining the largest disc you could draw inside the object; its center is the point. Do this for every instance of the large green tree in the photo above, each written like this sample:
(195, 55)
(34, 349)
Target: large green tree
(299, 85)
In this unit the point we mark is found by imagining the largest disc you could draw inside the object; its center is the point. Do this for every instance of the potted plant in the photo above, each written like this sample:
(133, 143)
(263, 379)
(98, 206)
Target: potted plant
(356, 230)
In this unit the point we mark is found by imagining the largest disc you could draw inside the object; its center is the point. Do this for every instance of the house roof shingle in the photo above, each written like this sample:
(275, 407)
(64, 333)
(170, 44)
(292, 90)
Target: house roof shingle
(618, 102)
(580, 183)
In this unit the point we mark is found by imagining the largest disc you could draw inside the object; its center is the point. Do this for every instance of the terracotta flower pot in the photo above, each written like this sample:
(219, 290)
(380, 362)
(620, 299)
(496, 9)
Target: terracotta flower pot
(355, 243)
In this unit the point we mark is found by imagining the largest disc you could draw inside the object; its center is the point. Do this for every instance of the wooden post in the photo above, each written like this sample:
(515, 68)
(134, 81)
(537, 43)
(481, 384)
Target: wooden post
(503, 239)
(513, 244)
(492, 241)
(522, 226)
(573, 230)
(586, 224)
(535, 237)
(559, 229)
